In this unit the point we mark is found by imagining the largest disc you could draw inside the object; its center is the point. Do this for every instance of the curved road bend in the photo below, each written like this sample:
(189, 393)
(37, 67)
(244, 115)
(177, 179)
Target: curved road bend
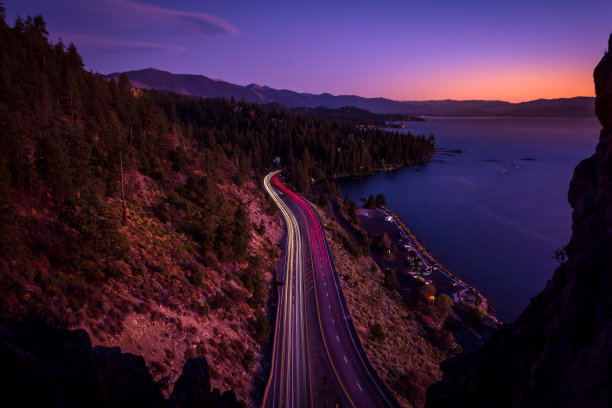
(289, 382)
(360, 386)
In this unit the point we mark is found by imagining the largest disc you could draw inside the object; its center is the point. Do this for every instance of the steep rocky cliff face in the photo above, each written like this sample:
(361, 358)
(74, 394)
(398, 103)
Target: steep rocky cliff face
(47, 367)
(559, 351)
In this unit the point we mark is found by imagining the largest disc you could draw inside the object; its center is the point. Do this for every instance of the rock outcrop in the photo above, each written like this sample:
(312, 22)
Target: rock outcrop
(41, 366)
(45, 367)
(192, 389)
(558, 353)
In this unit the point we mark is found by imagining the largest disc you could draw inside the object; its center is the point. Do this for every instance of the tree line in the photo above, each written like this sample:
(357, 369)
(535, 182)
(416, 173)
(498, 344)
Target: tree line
(69, 136)
(309, 147)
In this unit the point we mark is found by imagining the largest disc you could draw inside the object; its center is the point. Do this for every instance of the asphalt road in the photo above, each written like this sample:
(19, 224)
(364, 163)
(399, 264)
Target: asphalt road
(338, 372)
(289, 384)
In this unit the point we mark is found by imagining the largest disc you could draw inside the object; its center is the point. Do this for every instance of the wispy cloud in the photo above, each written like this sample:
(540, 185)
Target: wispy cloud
(196, 22)
(116, 44)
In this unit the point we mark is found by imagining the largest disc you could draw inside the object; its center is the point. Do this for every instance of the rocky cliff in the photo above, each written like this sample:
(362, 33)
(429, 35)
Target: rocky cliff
(558, 353)
(47, 367)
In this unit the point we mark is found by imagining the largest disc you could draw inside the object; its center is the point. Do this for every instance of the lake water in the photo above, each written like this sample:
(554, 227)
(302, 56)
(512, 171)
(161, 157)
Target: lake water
(492, 217)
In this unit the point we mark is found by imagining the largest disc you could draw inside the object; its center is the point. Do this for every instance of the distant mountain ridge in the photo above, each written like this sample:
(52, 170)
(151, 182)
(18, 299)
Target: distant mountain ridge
(200, 85)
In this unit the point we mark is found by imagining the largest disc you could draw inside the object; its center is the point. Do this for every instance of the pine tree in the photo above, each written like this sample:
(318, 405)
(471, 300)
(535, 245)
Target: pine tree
(54, 166)
(242, 231)
(371, 203)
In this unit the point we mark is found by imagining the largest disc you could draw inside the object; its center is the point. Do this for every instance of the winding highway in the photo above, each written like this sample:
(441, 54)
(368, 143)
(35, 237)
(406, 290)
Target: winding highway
(331, 369)
(289, 382)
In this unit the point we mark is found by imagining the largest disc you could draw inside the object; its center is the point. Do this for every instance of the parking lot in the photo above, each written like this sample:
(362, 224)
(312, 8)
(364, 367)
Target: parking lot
(412, 267)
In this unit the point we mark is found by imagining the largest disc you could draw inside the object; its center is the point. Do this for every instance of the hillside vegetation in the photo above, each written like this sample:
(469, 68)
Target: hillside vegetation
(308, 147)
(139, 215)
(115, 219)
(401, 340)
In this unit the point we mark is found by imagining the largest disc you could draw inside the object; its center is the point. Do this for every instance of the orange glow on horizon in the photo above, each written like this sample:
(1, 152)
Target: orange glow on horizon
(512, 85)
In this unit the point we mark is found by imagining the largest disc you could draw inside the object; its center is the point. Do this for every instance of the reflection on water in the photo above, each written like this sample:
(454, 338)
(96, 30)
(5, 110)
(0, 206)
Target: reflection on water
(495, 212)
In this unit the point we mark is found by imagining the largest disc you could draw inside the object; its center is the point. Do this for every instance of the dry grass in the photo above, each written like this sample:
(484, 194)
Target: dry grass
(170, 322)
(405, 360)
(151, 306)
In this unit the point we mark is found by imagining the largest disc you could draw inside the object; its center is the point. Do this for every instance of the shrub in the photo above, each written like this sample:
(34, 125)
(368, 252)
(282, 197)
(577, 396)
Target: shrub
(262, 227)
(381, 201)
(348, 243)
(157, 367)
(322, 201)
(371, 203)
(273, 251)
(113, 272)
(262, 327)
(444, 305)
(195, 277)
(189, 353)
(201, 349)
(382, 243)
(477, 314)
(390, 281)
(242, 231)
(235, 294)
(176, 201)
(445, 339)
(422, 296)
(254, 281)
(248, 359)
(352, 212)
(219, 301)
(214, 374)
(377, 332)
(202, 309)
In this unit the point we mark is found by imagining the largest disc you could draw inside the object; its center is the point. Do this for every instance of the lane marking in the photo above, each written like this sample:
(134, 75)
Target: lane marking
(338, 338)
(289, 315)
(278, 310)
(319, 273)
(332, 272)
(360, 389)
(345, 360)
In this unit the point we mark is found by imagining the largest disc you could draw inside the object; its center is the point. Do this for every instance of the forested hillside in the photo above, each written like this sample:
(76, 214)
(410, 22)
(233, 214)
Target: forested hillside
(139, 216)
(309, 147)
(115, 219)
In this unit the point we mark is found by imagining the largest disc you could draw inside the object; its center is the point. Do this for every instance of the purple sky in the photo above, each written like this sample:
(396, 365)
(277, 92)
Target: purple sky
(406, 50)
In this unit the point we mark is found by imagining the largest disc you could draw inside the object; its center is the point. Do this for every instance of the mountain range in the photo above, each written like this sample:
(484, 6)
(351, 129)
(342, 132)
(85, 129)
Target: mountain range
(199, 85)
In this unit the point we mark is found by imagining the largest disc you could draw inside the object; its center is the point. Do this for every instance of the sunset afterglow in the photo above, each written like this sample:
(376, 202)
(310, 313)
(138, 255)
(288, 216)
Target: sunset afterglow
(419, 50)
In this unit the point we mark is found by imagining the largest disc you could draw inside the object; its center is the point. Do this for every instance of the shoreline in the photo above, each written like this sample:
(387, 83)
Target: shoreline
(402, 226)
(392, 168)
(490, 320)
(470, 334)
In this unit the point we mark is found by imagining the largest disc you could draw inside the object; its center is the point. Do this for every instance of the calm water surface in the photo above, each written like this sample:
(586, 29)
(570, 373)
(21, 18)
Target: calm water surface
(492, 217)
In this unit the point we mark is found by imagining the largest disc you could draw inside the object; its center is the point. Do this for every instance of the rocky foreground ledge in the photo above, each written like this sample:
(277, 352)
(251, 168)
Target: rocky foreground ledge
(45, 367)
